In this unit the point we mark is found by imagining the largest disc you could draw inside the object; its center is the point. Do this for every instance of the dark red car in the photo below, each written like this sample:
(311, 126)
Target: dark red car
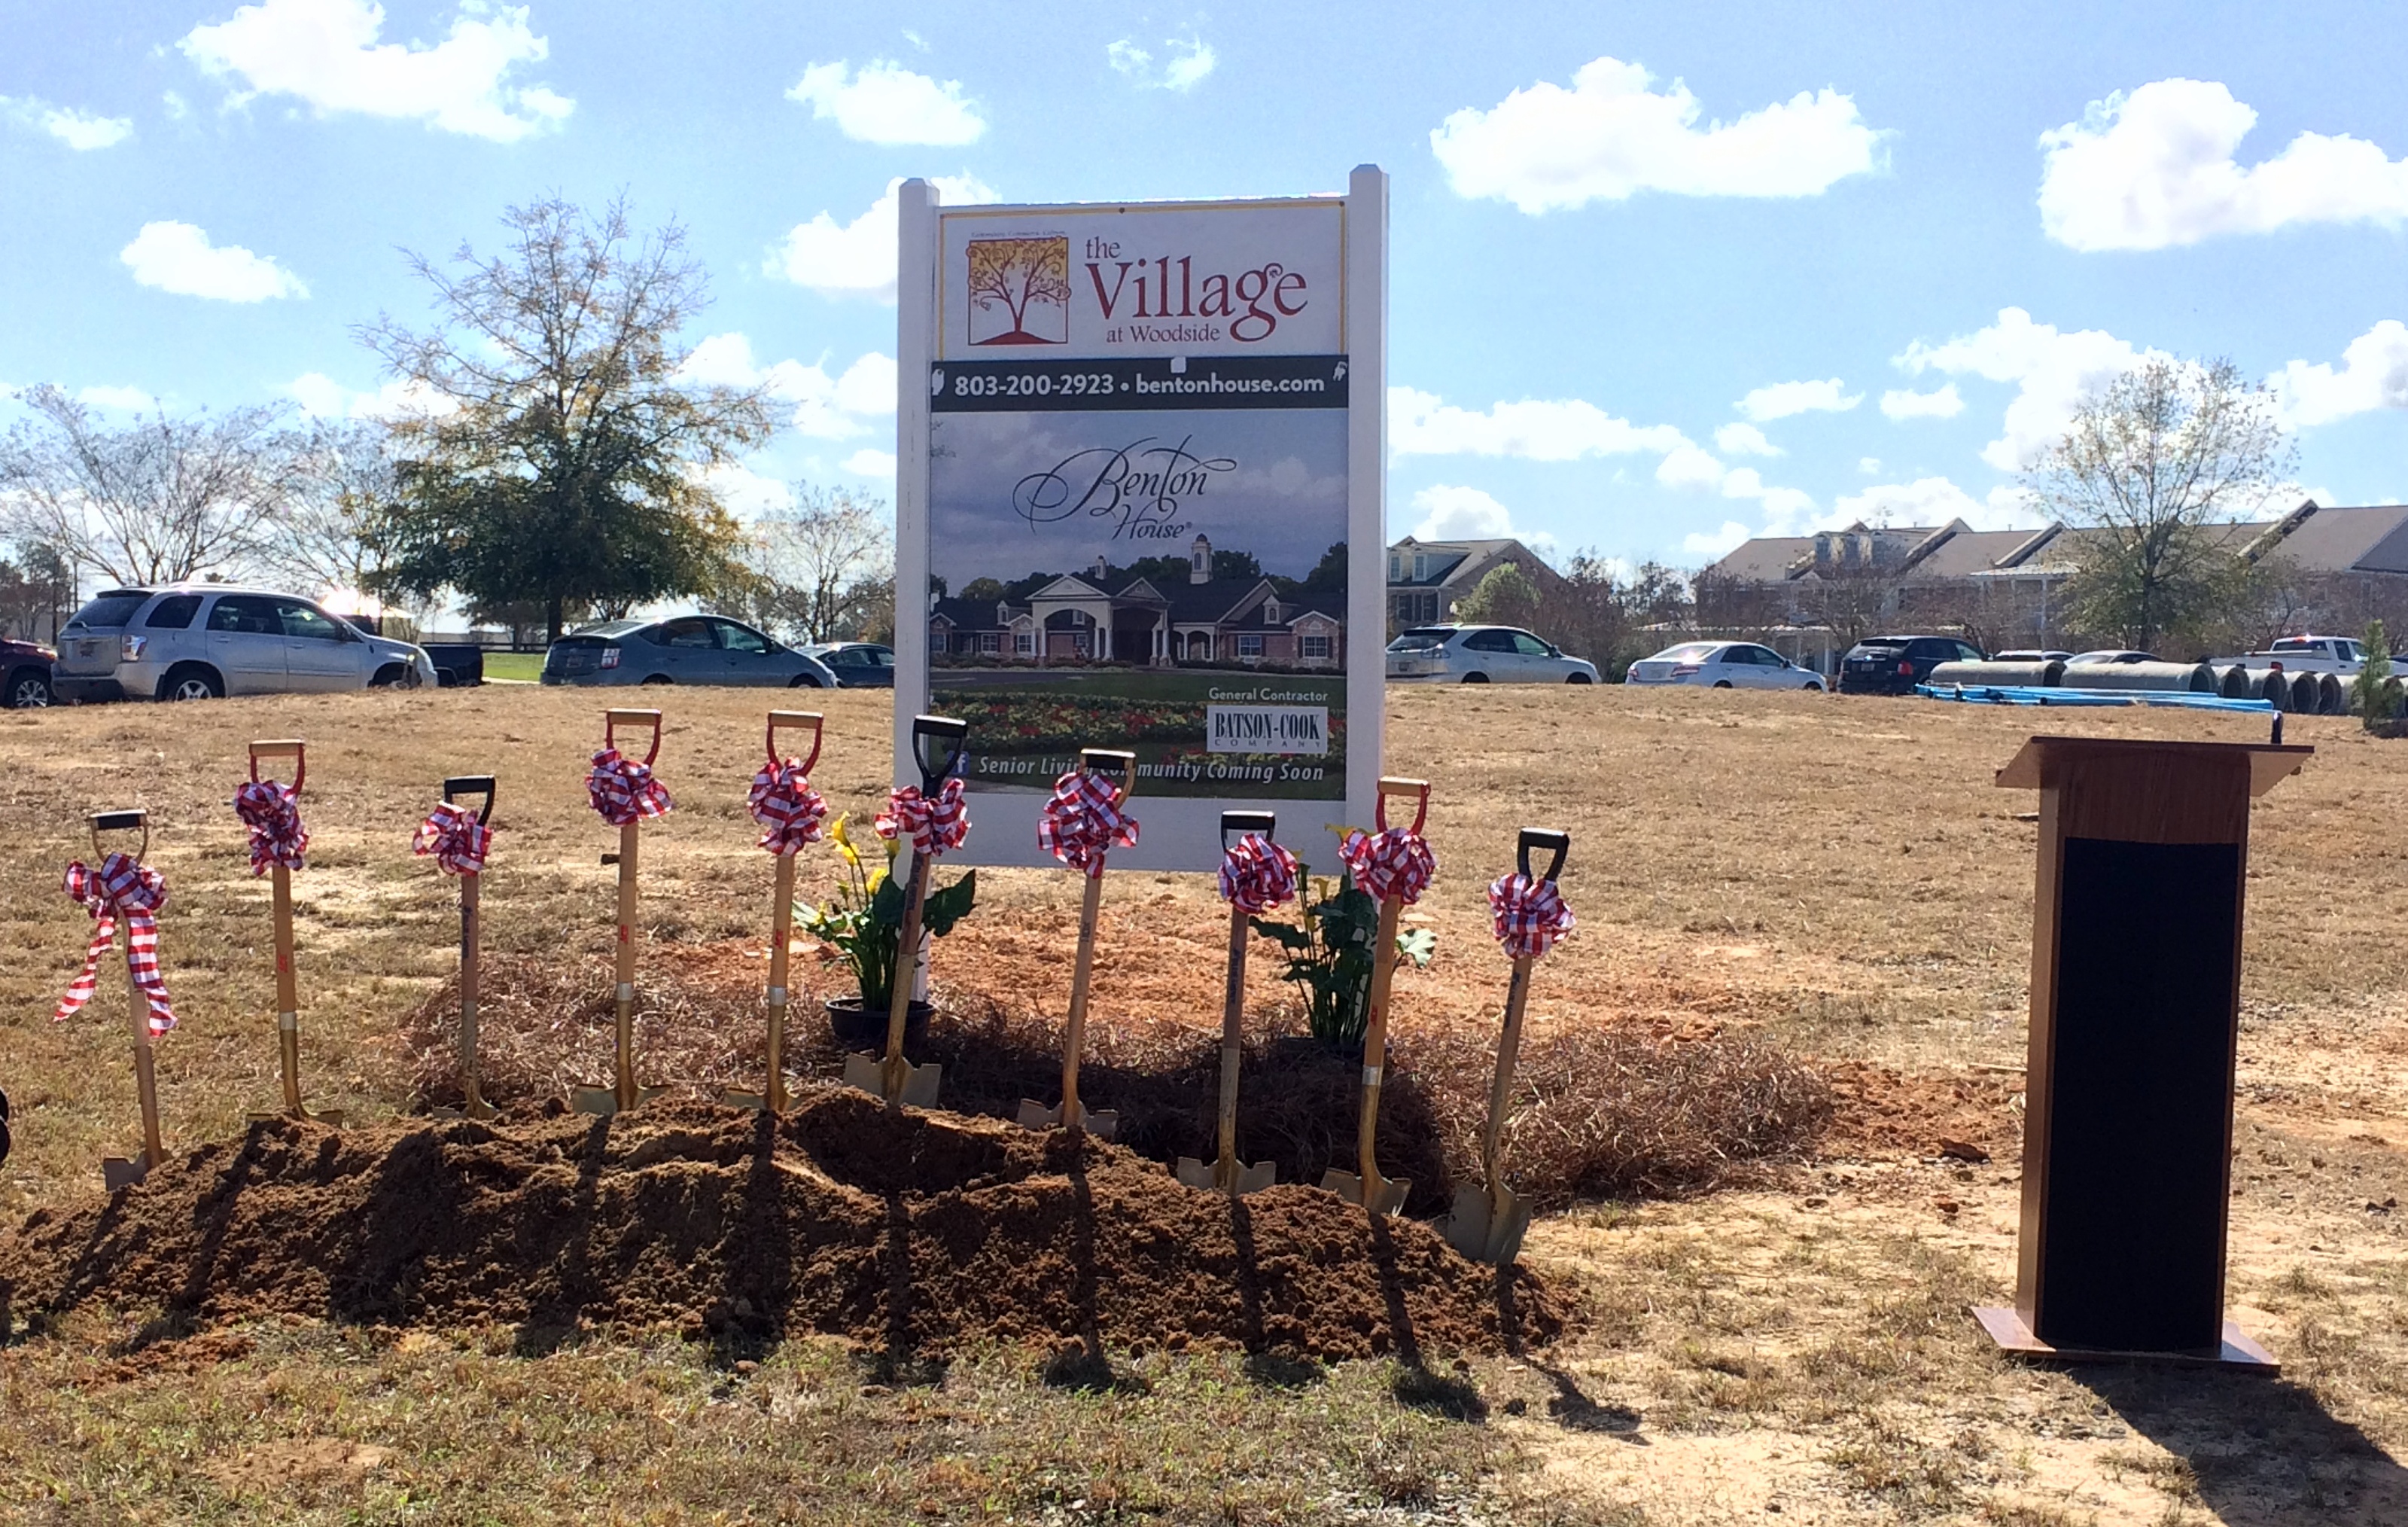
(24, 674)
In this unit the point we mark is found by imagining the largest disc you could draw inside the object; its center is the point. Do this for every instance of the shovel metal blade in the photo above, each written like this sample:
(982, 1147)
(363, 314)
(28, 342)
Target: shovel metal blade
(1346, 1185)
(920, 1083)
(482, 1112)
(1485, 1232)
(753, 1102)
(332, 1117)
(117, 1173)
(1203, 1175)
(1103, 1123)
(1194, 1173)
(604, 1101)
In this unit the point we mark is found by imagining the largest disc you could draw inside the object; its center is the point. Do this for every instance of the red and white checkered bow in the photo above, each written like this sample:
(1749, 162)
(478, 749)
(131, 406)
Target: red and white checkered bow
(456, 838)
(1082, 821)
(933, 823)
(623, 790)
(1531, 914)
(274, 816)
(1257, 875)
(121, 887)
(1392, 862)
(784, 803)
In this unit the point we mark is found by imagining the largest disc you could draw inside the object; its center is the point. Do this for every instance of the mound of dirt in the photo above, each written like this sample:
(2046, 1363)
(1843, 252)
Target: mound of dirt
(1882, 1111)
(911, 1233)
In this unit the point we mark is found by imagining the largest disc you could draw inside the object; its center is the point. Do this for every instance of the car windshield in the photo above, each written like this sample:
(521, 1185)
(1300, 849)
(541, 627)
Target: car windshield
(608, 628)
(110, 609)
(1883, 643)
(1426, 639)
(1687, 652)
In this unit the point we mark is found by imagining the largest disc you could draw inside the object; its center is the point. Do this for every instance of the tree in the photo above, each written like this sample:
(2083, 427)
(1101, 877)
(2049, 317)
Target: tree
(2374, 693)
(2150, 462)
(1329, 575)
(159, 500)
(559, 454)
(340, 486)
(1235, 565)
(37, 591)
(800, 563)
(984, 590)
(1593, 612)
(1503, 597)
(1015, 273)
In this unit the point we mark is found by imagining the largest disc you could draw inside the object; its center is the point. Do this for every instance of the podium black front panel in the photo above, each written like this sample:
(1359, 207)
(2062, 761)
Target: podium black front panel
(2133, 1254)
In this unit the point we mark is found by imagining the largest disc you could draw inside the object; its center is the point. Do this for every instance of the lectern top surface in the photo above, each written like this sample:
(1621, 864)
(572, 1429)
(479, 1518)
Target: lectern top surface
(2267, 762)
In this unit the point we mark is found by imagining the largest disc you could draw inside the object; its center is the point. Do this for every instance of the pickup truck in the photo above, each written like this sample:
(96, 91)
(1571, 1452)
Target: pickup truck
(2304, 655)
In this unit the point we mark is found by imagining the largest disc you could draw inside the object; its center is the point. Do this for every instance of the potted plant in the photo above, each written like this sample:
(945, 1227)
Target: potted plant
(1329, 958)
(862, 922)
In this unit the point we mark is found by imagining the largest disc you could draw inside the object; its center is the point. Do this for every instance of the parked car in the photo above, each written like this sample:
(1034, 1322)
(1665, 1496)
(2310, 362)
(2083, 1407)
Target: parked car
(205, 640)
(1723, 665)
(2113, 655)
(25, 675)
(2032, 655)
(684, 649)
(1482, 655)
(2338, 654)
(857, 664)
(1894, 664)
(458, 665)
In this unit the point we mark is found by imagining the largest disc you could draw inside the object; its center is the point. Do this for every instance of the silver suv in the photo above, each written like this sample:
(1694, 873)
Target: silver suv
(204, 641)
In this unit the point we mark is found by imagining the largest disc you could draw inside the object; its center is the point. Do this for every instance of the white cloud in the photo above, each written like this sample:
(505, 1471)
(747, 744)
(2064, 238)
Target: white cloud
(322, 396)
(1422, 424)
(1452, 513)
(1743, 440)
(1785, 399)
(177, 257)
(1691, 468)
(1716, 545)
(1609, 137)
(868, 463)
(1934, 501)
(1906, 403)
(2156, 169)
(1191, 60)
(2053, 372)
(326, 53)
(78, 129)
(856, 259)
(2374, 375)
(1869, 466)
(826, 408)
(747, 494)
(886, 103)
(123, 399)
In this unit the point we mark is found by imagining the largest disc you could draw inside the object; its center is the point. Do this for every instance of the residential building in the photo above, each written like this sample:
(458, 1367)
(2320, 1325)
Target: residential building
(1425, 578)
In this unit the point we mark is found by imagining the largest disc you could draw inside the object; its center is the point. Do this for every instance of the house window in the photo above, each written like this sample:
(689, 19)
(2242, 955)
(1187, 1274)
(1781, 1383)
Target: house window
(1396, 570)
(1024, 643)
(1314, 648)
(1270, 610)
(1078, 618)
(1250, 645)
(1421, 567)
(991, 643)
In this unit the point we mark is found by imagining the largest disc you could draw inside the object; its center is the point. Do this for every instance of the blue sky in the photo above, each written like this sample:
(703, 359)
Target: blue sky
(1663, 275)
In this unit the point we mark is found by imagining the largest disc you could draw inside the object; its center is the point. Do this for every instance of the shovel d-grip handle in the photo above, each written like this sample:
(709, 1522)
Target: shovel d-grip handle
(797, 721)
(1115, 765)
(1545, 839)
(1418, 790)
(283, 747)
(472, 784)
(1241, 823)
(613, 720)
(135, 820)
(942, 728)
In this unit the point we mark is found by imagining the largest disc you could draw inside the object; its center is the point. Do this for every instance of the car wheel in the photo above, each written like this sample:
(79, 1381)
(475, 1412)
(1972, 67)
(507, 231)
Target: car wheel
(29, 689)
(1722, 683)
(804, 681)
(191, 682)
(1475, 678)
(388, 676)
(1576, 678)
(660, 678)
(1812, 687)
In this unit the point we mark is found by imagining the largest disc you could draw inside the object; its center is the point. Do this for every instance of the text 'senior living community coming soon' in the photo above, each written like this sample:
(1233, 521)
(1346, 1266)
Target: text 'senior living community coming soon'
(1130, 467)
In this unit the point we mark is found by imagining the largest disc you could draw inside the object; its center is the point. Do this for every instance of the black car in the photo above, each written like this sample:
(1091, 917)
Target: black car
(24, 674)
(1894, 664)
(857, 664)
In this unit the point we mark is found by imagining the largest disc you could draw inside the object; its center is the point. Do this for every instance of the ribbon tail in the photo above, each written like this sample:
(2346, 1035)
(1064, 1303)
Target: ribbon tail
(79, 990)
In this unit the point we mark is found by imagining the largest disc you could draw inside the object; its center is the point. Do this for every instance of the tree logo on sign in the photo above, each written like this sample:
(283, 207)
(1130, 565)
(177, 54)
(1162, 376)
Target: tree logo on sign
(1020, 290)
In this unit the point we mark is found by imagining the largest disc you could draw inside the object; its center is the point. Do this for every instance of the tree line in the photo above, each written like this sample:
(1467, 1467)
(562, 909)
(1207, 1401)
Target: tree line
(550, 461)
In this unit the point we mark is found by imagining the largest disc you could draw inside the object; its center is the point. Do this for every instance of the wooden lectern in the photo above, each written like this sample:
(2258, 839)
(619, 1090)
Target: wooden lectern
(2135, 1011)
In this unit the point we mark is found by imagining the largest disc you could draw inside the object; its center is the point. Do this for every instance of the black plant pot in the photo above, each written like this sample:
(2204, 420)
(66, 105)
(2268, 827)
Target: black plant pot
(858, 1026)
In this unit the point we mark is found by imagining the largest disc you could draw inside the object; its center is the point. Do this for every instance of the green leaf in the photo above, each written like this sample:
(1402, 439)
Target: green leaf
(1417, 945)
(946, 907)
(886, 905)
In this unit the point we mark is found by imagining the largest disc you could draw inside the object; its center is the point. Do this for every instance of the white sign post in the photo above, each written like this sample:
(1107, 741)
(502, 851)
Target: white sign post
(1140, 503)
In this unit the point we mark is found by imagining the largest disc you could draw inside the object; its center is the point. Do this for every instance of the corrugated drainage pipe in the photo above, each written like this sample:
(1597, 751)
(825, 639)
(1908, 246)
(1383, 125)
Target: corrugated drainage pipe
(2237, 684)
(2336, 696)
(2044, 674)
(2196, 677)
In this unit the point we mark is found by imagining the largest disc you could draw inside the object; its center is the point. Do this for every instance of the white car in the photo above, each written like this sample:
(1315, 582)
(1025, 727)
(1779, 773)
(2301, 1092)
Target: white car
(207, 640)
(1724, 665)
(1482, 655)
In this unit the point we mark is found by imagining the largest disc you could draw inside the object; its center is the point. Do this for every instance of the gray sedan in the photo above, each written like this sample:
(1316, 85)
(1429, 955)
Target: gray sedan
(687, 649)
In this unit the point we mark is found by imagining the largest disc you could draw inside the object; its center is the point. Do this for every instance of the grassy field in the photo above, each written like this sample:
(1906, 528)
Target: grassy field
(522, 667)
(1837, 876)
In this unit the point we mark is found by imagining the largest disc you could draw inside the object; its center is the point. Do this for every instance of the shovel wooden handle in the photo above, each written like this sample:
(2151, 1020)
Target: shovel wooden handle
(135, 820)
(1375, 1047)
(471, 784)
(1074, 1033)
(1509, 1049)
(624, 1080)
(283, 747)
(287, 998)
(613, 720)
(896, 1070)
(1233, 1011)
(1393, 785)
(782, 933)
(796, 721)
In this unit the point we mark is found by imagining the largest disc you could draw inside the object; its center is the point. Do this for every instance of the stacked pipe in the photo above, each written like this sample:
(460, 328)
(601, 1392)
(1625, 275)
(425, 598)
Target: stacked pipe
(2046, 675)
(2198, 678)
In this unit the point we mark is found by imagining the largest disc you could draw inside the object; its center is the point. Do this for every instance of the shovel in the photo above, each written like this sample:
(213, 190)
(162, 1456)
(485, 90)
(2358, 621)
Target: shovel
(473, 1104)
(1381, 1195)
(1488, 1223)
(1228, 1173)
(895, 1078)
(116, 1172)
(288, 1000)
(1101, 1123)
(782, 933)
(624, 1093)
